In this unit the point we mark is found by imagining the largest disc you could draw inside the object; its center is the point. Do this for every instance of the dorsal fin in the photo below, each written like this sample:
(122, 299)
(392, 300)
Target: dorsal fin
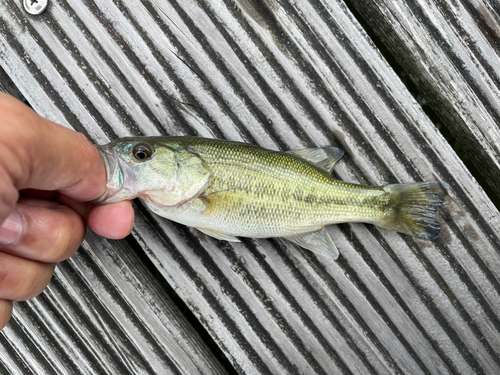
(325, 158)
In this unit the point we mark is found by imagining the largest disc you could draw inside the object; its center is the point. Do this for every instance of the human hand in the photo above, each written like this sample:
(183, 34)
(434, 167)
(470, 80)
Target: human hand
(47, 173)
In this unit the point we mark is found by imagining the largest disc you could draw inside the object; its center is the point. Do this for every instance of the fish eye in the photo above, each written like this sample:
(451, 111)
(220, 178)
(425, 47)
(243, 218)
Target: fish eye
(142, 152)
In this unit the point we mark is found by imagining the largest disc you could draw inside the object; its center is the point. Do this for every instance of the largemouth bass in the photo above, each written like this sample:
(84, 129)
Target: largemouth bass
(230, 189)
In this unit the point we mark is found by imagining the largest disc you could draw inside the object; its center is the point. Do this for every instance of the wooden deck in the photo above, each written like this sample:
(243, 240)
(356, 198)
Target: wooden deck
(411, 92)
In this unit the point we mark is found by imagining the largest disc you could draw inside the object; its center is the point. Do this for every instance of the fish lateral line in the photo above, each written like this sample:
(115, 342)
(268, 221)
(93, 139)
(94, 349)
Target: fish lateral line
(231, 189)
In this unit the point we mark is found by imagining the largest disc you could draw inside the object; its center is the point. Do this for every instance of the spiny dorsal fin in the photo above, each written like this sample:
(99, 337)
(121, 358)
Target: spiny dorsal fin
(318, 242)
(325, 158)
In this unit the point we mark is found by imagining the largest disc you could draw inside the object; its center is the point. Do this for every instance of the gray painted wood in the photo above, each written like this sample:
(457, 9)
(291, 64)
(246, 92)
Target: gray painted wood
(451, 51)
(7, 86)
(103, 313)
(285, 76)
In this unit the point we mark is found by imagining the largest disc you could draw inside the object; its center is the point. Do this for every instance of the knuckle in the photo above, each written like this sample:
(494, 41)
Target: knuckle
(4, 276)
(61, 245)
(8, 197)
(52, 234)
(35, 283)
(22, 279)
(62, 242)
(5, 312)
(65, 236)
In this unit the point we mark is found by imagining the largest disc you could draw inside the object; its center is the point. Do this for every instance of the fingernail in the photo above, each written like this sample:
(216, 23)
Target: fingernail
(11, 229)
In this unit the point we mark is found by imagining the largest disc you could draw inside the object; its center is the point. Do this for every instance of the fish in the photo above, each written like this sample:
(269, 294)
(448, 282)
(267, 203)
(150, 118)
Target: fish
(230, 189)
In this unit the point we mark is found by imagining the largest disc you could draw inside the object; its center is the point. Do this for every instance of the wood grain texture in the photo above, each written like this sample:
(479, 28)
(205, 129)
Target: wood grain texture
(451, 51)
(284, 75)
(9, 87)
(103, 313)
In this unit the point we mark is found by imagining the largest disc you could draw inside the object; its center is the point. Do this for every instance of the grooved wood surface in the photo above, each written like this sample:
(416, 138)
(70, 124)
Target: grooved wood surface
(284, 75)
(450, 50)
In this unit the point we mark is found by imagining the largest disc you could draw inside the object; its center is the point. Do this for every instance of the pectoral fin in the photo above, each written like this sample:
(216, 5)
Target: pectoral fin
(325, 158)
(219, 235)
(191, 209)
(318, 242)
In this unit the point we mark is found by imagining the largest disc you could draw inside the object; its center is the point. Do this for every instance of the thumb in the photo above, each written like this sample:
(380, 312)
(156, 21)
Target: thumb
(39, 154)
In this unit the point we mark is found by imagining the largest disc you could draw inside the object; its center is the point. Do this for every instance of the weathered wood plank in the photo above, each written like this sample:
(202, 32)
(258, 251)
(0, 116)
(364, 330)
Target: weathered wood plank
(7, 86)
(285, 76)
(451, 52)
(103, 313)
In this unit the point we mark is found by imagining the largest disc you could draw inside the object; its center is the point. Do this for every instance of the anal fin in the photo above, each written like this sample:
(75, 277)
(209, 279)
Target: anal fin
(218, 234)
(318, 242)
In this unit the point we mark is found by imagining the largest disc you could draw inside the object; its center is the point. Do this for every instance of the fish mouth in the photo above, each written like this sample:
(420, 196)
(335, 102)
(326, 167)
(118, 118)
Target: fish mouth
(119, 177)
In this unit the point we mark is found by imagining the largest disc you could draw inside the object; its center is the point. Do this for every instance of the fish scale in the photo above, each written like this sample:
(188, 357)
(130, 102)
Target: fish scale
(293, 197)
(230, 189)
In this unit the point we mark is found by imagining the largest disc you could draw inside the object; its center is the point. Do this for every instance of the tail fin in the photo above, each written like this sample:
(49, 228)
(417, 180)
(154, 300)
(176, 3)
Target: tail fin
(413, 208)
